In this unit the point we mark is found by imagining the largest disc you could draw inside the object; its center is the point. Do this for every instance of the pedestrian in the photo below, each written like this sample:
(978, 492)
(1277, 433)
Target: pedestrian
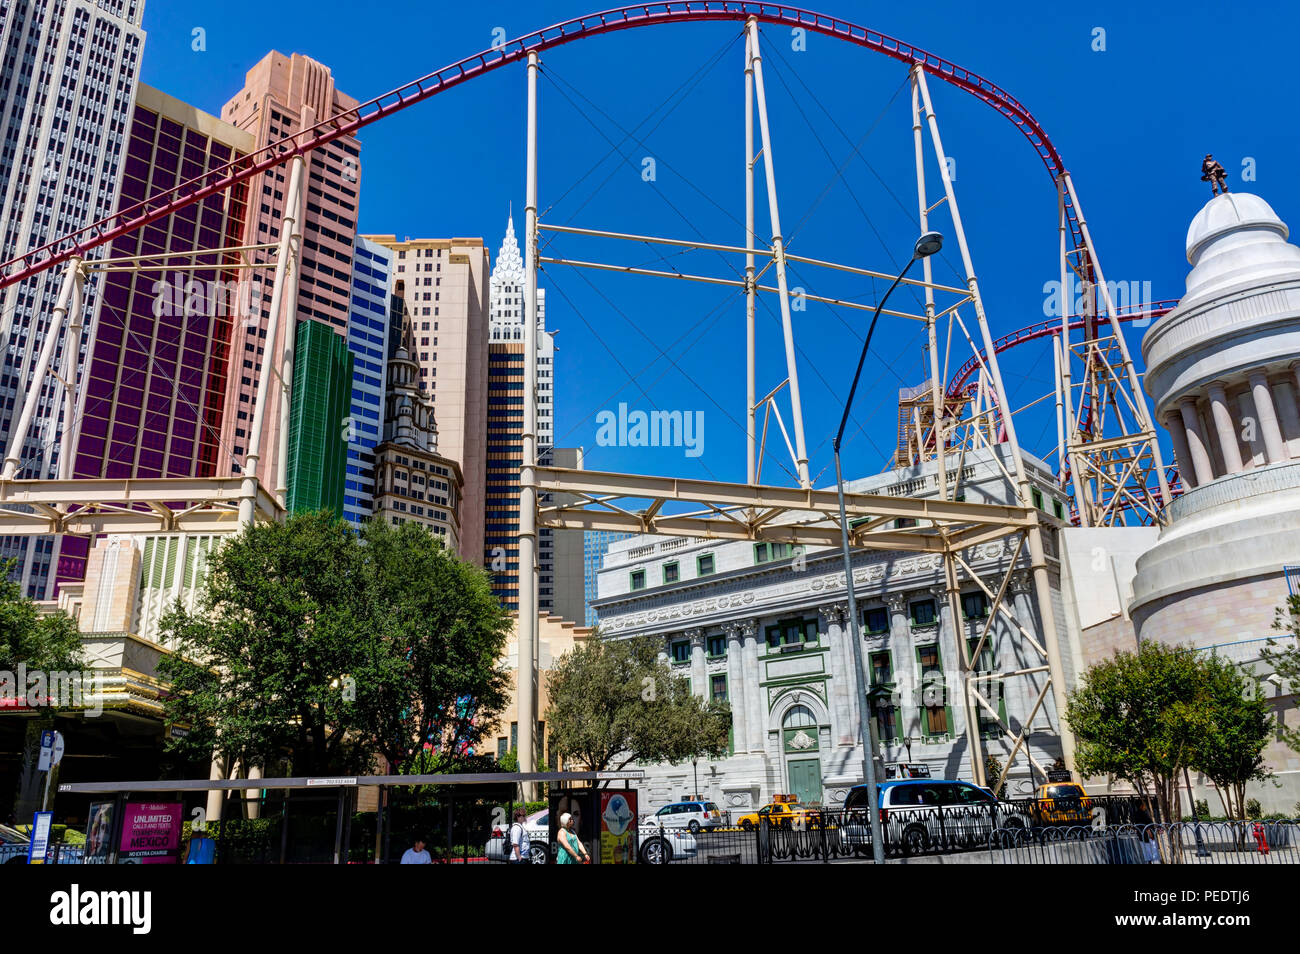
(200, 850)
(416, 855)
(518, 845)
(572, 850)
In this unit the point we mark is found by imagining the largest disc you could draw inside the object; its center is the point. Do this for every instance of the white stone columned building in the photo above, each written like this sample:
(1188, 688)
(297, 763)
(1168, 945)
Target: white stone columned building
(764, 628)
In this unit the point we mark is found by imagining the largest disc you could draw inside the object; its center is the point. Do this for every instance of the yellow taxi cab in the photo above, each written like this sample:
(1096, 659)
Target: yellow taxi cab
(784, 811)
(1062, 803)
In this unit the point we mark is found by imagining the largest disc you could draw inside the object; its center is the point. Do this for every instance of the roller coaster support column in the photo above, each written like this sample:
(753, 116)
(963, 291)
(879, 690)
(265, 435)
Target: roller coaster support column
(526, 673)
(1083, 505)
(932, 342)
(292, 222)
(283, 298)
(72, 280)
(1138, 403)
(750, 420)
(778, 255)
(71, 360)
(1037, 555)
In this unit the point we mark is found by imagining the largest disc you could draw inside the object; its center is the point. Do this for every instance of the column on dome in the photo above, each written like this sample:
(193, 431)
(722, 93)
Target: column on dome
(1195, 442)
(1268, 425)
(1225, 429)
(1250, 435)
(1174, 425)
(1288, 413)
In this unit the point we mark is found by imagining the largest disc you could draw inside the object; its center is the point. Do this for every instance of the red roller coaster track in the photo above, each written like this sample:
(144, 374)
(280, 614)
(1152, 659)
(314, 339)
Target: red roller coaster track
(166, 202)
(1041, 329)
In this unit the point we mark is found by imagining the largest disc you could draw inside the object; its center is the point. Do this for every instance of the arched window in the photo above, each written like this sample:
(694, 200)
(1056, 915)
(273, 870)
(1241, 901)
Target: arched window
(798, 717)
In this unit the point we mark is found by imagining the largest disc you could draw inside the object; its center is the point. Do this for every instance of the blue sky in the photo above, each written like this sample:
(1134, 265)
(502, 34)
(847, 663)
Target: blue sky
(1132, 123)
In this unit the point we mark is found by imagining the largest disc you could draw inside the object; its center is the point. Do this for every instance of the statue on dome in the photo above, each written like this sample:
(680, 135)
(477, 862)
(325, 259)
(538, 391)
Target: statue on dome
(1214, 173)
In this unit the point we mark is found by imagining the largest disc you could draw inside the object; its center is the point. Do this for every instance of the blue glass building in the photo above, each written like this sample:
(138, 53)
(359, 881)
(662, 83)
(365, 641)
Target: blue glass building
(368, 333)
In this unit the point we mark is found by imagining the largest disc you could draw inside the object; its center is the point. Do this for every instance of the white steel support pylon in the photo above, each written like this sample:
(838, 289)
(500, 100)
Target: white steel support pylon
(1111, 446)
(284, 294)
(755, 73)
(529, 605)
(1033, 537)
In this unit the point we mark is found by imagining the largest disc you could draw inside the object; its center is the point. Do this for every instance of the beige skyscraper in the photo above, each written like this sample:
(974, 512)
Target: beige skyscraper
(444, 285)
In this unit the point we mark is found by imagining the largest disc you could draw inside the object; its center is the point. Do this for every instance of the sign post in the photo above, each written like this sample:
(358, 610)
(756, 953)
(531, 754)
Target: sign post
(51, 755)
(40, 843)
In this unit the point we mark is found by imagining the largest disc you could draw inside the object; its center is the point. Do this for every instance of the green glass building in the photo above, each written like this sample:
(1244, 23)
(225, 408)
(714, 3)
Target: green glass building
(318, 418)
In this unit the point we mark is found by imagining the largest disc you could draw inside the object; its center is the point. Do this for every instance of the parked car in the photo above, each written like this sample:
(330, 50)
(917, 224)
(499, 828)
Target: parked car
(920, 815)
(14, 844)
(691, 815)
(657, 847)
(1061, 803)
(537, 825)
(783, 814)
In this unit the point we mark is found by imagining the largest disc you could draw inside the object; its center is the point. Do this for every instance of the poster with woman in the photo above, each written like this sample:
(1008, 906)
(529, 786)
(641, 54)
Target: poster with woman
(99, 833)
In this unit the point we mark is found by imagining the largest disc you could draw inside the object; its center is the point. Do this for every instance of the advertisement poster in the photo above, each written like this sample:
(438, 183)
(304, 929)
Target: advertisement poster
(99, 834)
(618, 821)
(151, 833)
(581, 804)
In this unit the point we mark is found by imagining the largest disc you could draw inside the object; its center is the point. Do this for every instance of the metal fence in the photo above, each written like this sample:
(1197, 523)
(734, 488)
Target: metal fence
(1183, 843)
(939, 829)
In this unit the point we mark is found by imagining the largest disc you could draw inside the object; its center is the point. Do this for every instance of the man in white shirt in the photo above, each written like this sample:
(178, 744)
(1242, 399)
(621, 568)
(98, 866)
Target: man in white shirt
(519, 845)
(416, 855)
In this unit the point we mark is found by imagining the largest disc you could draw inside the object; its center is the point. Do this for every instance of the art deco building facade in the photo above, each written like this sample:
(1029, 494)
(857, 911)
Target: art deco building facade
(442, 288)
(413, 482)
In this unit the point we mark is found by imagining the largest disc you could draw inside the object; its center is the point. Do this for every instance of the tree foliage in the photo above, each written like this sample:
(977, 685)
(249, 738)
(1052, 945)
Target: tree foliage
(319, 648)
(47, 643)
(1147, 716)
(1233, 725)
(1286, 661)
(614, 702)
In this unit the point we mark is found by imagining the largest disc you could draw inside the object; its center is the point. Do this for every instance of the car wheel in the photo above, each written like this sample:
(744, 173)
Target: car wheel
(747, 825)
(656, 851)
(538, 855)
(915, 840)
(694, 827)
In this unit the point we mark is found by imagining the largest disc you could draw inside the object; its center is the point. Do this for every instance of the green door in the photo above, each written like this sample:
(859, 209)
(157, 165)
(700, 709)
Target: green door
(806, 780)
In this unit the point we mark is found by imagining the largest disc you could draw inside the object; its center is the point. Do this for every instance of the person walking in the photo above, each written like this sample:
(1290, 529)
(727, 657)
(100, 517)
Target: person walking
(517, 841)
(572, 850)
(416, 855)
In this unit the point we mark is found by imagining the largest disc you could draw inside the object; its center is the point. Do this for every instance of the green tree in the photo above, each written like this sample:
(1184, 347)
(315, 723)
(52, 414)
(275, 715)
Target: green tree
(316, 647)
(1134, 718)
(39, 644)
(614, 702)
(45, 643)
(439, 635)
(1233, 725)
(1286, 661)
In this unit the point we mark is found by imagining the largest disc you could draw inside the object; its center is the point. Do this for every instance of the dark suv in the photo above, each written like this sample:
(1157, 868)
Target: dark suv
(920, 815)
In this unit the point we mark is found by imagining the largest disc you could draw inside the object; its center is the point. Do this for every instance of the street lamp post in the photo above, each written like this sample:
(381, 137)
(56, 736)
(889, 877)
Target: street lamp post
(926, 245)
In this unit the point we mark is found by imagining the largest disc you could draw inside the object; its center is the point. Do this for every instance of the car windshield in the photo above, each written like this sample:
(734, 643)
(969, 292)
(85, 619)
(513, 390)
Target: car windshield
(1063, 791)
(712, 807)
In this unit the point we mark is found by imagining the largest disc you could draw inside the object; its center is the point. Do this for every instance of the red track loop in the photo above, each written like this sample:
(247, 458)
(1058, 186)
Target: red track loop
(165, 203)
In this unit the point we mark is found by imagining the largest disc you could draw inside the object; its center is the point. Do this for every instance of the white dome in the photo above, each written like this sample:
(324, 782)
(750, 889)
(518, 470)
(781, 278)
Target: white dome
(1237, 238)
